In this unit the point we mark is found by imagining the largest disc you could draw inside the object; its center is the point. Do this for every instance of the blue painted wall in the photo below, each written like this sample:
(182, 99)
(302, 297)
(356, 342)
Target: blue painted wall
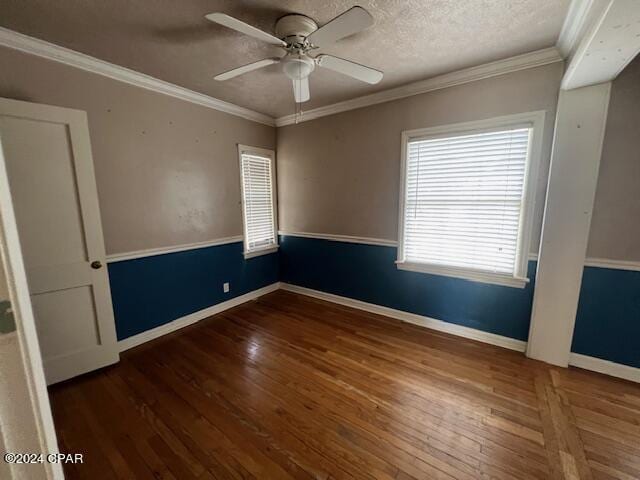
(368, 273)
(151, 291)
(608, 319)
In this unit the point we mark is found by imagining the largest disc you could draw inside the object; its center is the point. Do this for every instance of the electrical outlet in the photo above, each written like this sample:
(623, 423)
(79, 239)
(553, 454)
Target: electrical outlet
(225, 287)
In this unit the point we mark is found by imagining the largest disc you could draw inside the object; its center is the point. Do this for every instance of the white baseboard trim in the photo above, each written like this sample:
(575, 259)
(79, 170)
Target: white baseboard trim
(605, 366)
(194, 317)
(413, 318)
(577, 360)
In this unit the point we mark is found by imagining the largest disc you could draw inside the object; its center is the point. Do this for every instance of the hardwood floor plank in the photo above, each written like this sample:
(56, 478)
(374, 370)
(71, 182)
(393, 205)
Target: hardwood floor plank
(344, 408)
(288, 387)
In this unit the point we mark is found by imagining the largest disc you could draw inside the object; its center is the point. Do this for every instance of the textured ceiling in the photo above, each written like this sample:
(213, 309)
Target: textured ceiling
(168, 39)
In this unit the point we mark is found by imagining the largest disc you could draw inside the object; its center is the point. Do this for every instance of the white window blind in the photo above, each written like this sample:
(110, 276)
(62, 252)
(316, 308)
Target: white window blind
(258, 201)
(463, 199)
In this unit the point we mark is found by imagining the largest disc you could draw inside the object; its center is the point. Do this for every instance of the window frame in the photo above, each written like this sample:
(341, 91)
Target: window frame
(519, 278)
(271, 154)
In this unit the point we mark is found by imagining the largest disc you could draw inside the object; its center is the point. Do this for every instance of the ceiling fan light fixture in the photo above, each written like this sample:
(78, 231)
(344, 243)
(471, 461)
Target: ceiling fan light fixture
(297, 67)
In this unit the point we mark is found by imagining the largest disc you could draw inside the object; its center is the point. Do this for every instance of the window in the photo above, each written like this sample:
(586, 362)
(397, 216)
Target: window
(257, 172)
(467, 198)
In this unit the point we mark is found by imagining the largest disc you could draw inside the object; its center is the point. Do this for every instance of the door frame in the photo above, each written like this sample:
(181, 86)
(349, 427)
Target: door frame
(25, 324)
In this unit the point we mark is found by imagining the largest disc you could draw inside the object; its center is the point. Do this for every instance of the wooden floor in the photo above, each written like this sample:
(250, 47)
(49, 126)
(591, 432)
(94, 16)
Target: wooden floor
(290, 387)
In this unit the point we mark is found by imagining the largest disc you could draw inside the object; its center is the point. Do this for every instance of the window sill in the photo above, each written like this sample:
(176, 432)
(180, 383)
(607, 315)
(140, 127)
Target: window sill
(466, 274)
(260, 251)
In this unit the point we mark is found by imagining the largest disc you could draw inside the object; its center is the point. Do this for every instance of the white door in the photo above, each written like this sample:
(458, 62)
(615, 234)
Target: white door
(51, 177)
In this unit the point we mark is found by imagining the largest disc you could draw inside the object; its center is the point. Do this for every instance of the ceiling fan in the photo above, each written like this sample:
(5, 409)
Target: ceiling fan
(298, 35)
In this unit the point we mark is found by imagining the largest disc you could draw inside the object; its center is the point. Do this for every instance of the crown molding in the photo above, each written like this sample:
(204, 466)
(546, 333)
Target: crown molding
(50, 51)
(467, 75)
(573, 26)
(607, 46)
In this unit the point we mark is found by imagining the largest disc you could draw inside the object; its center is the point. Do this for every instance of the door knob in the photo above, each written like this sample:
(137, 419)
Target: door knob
(96, 264)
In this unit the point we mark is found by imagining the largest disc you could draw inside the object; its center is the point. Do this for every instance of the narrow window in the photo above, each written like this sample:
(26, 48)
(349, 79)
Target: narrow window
(467, 199)
(257, 171)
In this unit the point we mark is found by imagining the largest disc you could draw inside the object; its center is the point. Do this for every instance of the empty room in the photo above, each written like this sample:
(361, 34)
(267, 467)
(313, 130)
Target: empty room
(320, 240)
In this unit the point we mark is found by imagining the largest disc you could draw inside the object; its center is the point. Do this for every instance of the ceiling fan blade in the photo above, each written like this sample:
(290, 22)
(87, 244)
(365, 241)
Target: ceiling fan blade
(352, 69)
(352, 21)
(246, 68)
(301, 90)
(245, 28)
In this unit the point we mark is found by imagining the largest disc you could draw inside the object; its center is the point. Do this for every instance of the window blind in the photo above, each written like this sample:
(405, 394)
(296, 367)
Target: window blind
(258, 202)
(463, 199)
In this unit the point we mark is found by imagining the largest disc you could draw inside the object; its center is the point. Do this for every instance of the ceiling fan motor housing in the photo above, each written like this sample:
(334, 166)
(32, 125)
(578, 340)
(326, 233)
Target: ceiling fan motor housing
(295, 28)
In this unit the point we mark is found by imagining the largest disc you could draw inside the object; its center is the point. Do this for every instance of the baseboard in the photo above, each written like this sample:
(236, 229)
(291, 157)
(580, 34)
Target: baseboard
(192, 318)
(605, 366)
(413, 318)
(577, 360)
